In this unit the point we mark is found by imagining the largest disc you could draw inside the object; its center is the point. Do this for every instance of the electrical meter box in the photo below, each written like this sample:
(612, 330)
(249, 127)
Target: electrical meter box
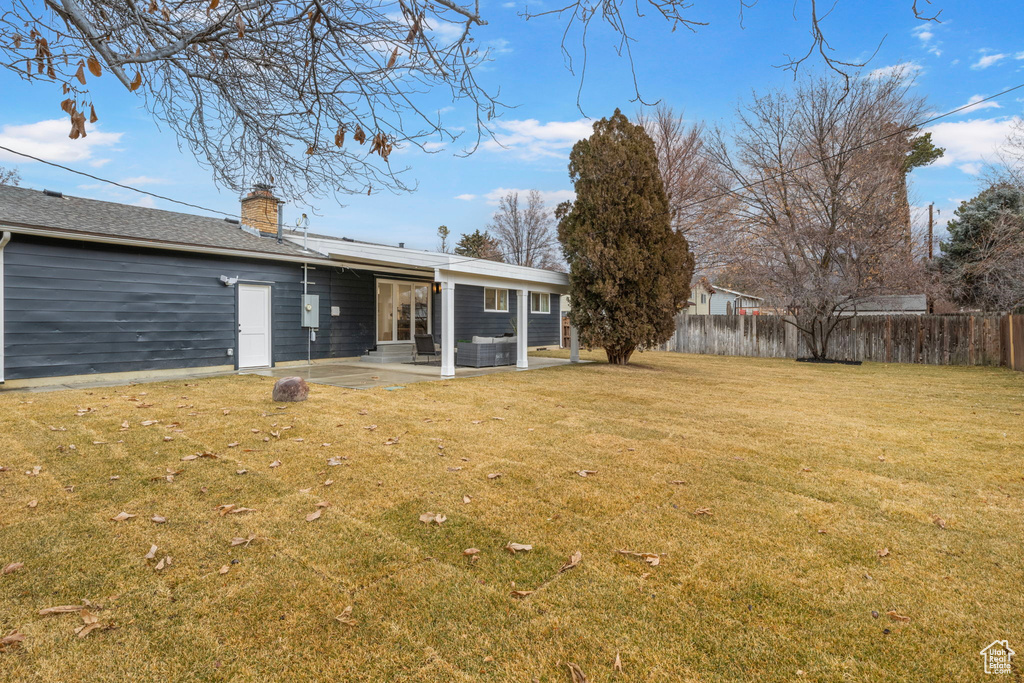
(311, 310)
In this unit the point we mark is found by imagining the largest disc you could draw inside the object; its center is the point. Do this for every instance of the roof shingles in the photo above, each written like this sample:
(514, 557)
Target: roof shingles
(21, 207)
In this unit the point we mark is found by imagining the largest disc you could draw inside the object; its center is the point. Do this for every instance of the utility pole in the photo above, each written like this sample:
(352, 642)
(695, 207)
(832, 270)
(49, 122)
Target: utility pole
(931, 222)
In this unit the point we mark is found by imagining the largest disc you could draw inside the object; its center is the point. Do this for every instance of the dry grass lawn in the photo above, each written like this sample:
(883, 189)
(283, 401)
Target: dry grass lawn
(807, 472)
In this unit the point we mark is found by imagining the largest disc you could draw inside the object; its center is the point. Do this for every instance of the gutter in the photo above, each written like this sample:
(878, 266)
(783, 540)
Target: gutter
(4, 239)
(170, 246)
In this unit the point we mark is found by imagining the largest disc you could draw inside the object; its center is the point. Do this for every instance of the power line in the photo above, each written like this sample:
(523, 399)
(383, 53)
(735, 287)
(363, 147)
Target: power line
(111, 182)
(907, 129)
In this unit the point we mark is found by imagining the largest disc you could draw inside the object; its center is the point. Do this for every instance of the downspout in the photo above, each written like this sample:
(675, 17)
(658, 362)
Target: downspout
(4, 239)
(309, 332)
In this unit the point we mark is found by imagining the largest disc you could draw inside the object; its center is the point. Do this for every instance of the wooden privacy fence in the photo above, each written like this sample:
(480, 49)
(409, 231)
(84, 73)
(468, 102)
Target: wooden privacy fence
(992, 339)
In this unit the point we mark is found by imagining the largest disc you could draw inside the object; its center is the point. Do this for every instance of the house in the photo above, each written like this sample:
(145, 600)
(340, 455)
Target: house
(708, 299)
(91, 288)
(888, 304)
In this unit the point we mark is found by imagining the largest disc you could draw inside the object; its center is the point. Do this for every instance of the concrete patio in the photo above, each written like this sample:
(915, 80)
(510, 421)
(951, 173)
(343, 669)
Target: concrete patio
(352, 374)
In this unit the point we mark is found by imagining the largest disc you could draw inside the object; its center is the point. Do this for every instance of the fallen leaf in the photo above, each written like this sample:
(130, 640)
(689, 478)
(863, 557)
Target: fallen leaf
(896, 616)
(148, 423)
(32, 503)
(90, 622)
(238, 511)
(233, 444)
(703, 511)
(157, 519)
(495, 475)
(305, 490)
(328, 482)
(225, 509)
(477, 422)
(115, 477)
(186, 458)
(884, 552)
(276, 463)
(939, 522)
(653, 559)
(61, 609)
(517, 547)
(521, 594)
(241, 471)
(576, 673)
(13, 567)
(586, 473)
(224, 570)
(334, 462)
(617, 666)
(469, 552)
(12, 638)
(454, 469)
(430, 517)
(166, 562)
(168, 438)
(467, 499)
(370, 427)
(573, 562)
(242, 541)
(323, 504)
(678, 482)
(313, 516)
(122, 516)
(151, 555)
(346, 617)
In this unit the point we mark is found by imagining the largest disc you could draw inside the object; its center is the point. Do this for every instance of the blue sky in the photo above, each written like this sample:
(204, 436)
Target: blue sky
(977, 50)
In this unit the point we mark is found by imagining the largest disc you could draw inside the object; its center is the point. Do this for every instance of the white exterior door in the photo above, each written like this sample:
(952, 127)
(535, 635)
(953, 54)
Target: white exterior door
(253, 326)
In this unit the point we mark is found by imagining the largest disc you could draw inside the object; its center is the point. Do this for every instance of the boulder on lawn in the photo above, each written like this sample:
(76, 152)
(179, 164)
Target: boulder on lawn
(291, 389)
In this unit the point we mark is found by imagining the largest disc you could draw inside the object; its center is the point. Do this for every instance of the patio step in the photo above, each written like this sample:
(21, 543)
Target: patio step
(389, 353)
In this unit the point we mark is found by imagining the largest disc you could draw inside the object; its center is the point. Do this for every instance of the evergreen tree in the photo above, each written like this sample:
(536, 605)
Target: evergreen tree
(478, 245)
(629, 272)
(982, 263)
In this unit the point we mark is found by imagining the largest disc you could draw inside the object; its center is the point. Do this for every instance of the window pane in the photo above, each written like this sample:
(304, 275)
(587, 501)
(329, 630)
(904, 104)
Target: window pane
(385, 312)
(404, 313)
(422, 308)
(489, 296)
(503, 302)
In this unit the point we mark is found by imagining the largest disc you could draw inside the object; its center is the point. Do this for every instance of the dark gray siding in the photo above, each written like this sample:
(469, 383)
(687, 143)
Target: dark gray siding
(471, 318)
(75, 308)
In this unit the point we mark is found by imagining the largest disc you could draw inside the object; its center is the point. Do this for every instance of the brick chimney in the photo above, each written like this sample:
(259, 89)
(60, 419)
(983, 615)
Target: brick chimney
(259, 209)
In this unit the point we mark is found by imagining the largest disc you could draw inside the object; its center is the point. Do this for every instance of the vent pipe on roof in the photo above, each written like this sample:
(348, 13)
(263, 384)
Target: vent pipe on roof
(53, 193)
(401, 245)
(280, 222)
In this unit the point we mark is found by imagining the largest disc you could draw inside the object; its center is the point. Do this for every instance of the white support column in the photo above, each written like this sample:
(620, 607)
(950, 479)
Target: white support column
(522, 331)
(574, 344)
(447, 328)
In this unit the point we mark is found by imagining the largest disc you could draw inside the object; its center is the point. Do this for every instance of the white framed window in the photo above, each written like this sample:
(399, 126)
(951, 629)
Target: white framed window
(703, 298)
(495, 300)
(540, 302)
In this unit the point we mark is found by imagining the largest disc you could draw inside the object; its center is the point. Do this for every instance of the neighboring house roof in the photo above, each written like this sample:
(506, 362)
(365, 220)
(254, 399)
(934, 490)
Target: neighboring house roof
(735, 293)
(34, 212)
(892, 303)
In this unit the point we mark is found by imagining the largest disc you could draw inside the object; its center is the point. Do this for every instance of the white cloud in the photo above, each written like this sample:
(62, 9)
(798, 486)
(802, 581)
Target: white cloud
(973, 142)
(531, 139)
(552, 198)
(49, 140)
(925, 33)
(902, 70)
(973, 168)
(1019, 55)
(991, 104)
(466, 197)
(145, 201)
(142, 180)
(499, 46)
(988, 60)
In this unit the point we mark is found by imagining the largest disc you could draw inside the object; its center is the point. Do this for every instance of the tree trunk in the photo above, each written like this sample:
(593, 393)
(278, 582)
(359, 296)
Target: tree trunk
(619, 356)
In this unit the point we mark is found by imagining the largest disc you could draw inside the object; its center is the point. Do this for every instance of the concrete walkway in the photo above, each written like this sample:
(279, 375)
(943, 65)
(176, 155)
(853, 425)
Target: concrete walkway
(353, 374)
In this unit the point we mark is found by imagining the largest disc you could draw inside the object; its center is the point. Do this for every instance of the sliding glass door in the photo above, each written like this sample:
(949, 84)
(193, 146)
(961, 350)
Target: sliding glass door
(403, 310)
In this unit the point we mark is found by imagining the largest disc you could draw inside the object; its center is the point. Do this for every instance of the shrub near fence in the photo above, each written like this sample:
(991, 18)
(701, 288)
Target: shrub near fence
(929, 339)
